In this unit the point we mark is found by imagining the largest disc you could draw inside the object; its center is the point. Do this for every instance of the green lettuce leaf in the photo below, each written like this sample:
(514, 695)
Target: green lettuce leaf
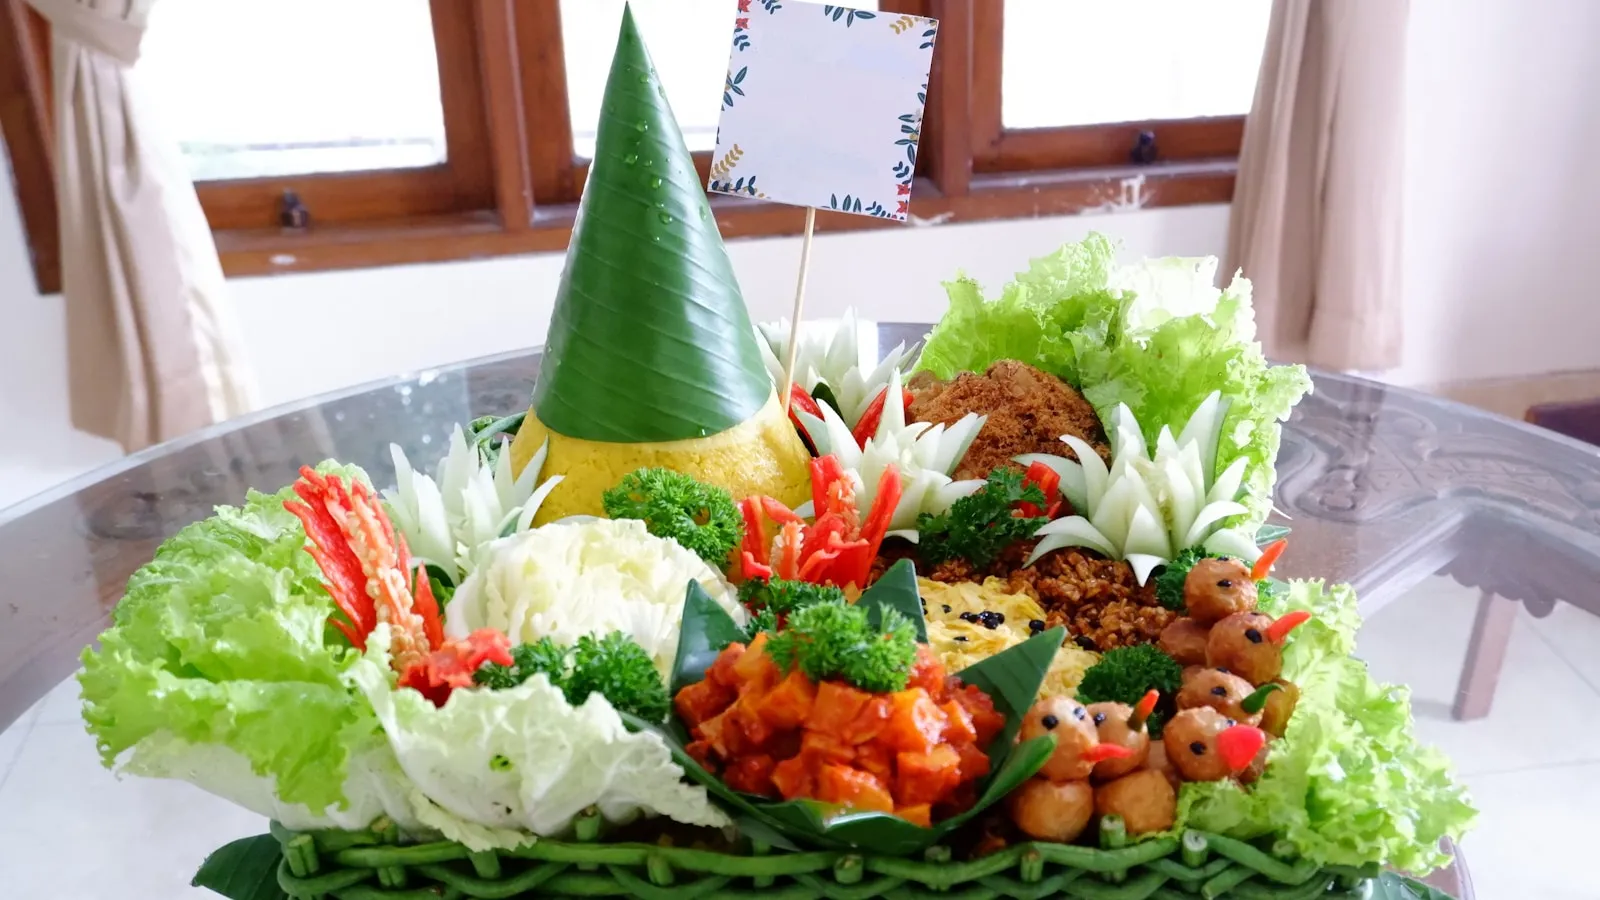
(1034, 319)
(1348, 784)
(1157, 336)
(222, 639)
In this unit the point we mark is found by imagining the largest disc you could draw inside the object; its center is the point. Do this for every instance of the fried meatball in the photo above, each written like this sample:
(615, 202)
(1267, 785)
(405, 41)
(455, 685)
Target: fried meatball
(1028, 411)
(1240, 644)
(1075, 734)
(1257, 767)
(1111, 723)
(1158, 762)
(1185, 641)
(1145, 800)
(1197, 748)
(1280, 706)
(1055, 811)
(1218, 588)
(1222, 691)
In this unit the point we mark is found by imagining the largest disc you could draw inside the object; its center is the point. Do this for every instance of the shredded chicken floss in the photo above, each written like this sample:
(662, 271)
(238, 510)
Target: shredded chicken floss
(1028, 412)
(961, 642)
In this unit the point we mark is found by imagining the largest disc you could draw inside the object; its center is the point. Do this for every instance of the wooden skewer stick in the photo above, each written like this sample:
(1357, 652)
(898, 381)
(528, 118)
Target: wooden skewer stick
(799, 304)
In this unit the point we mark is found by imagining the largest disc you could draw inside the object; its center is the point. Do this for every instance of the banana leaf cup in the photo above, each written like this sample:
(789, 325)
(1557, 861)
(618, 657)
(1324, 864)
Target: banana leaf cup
(1011, 679)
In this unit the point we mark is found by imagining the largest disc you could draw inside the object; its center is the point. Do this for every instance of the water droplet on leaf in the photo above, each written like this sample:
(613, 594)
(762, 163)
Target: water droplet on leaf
(631, 158)
(655, 182)
(666, 218)
(642, 126)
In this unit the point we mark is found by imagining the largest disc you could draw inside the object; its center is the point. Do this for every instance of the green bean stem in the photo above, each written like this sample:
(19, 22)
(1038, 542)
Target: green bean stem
(1195, 849)
(374, 865)
(1114, 836)
(1270, 867)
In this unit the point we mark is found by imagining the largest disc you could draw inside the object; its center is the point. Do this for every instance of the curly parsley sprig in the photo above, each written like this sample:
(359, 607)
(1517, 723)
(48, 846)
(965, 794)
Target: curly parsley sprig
(835, 640)
(978, 527)
(702, 517)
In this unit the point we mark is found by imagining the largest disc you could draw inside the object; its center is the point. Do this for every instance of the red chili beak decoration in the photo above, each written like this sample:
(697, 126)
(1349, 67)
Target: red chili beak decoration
(1269, 556)
(1142, 711)
(1280, 629)
(1101, 752)
(1239, 745)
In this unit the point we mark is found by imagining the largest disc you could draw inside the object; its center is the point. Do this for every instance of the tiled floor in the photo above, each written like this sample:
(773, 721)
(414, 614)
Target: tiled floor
(69, 830)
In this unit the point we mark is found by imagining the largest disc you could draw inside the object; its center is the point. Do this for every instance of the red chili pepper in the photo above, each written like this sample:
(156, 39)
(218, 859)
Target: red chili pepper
(358, 583)
(1102, 752)
(800, 401)
(873, 416)
(1239, 744)
(1049, 483)
(1270, 555)
(756, 545)
(453, 664)
(856, 564)
(1280, 629)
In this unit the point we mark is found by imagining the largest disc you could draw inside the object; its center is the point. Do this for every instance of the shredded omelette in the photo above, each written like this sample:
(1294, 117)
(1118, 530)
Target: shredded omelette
(946, 602)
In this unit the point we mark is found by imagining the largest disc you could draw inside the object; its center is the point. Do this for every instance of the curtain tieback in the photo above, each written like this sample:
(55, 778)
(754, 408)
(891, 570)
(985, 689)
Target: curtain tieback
(114, 36)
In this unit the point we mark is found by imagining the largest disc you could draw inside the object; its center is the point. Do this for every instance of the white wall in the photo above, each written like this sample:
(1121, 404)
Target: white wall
(1503, 222)
(416, 316)
(1502, 189)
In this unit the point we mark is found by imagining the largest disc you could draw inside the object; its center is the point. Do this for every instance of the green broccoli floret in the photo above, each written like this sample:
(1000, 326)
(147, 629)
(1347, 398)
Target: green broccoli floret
(834, 640)
(980, 526)
(545, 656)
(1169, 583)
(622, 672)
(1126, 674)
(702, 517)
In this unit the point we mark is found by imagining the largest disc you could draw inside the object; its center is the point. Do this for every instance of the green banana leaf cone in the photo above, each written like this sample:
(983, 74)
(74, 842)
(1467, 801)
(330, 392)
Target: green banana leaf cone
(650, 339)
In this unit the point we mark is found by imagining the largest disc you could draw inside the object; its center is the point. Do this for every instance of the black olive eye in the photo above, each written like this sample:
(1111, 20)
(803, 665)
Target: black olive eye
(1079, 712)
(1225, 583)
(1252, 635)
(1049, 722)
(1230, 722)
(1197, 748)
(1219, 691)
(1099, 718)
(1223, 671)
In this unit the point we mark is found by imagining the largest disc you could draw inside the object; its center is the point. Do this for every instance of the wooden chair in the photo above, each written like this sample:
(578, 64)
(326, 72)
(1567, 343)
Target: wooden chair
(1491, 629)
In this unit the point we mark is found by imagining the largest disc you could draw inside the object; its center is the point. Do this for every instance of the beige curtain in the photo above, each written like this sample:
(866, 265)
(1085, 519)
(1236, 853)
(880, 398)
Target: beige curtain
(151, 347)
(1316, 219)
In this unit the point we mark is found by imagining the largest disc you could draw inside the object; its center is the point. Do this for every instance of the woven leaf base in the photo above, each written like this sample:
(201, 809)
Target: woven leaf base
(372, 865)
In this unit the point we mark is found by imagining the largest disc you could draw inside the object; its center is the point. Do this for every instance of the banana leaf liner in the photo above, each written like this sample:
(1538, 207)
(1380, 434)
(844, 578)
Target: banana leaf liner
(1011, 679)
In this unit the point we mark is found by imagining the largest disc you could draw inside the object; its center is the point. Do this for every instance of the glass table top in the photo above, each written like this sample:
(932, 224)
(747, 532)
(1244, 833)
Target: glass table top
(1473, 541)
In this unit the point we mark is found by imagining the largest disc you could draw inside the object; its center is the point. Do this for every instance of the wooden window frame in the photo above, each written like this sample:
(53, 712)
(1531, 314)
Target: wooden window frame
(511, 182)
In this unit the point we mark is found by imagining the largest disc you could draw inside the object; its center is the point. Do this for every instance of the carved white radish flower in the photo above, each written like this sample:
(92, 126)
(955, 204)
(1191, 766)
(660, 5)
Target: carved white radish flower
(450, 520)
(1147, 507)
(840, 360)
(925, 455)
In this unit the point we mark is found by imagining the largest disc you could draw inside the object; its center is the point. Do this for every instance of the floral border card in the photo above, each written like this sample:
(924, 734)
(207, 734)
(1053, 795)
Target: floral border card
(822, 106)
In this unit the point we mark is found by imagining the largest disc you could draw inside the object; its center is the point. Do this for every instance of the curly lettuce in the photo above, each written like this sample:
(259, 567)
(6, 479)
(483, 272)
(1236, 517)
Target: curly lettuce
(1348, 784)
(1157, 336)
(222, 640)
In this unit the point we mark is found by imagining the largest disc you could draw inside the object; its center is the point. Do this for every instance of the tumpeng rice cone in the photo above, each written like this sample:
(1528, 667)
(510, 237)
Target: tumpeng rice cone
(651, 359)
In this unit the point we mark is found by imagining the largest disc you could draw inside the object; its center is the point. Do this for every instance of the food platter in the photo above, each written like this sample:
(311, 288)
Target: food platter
(993, 616)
